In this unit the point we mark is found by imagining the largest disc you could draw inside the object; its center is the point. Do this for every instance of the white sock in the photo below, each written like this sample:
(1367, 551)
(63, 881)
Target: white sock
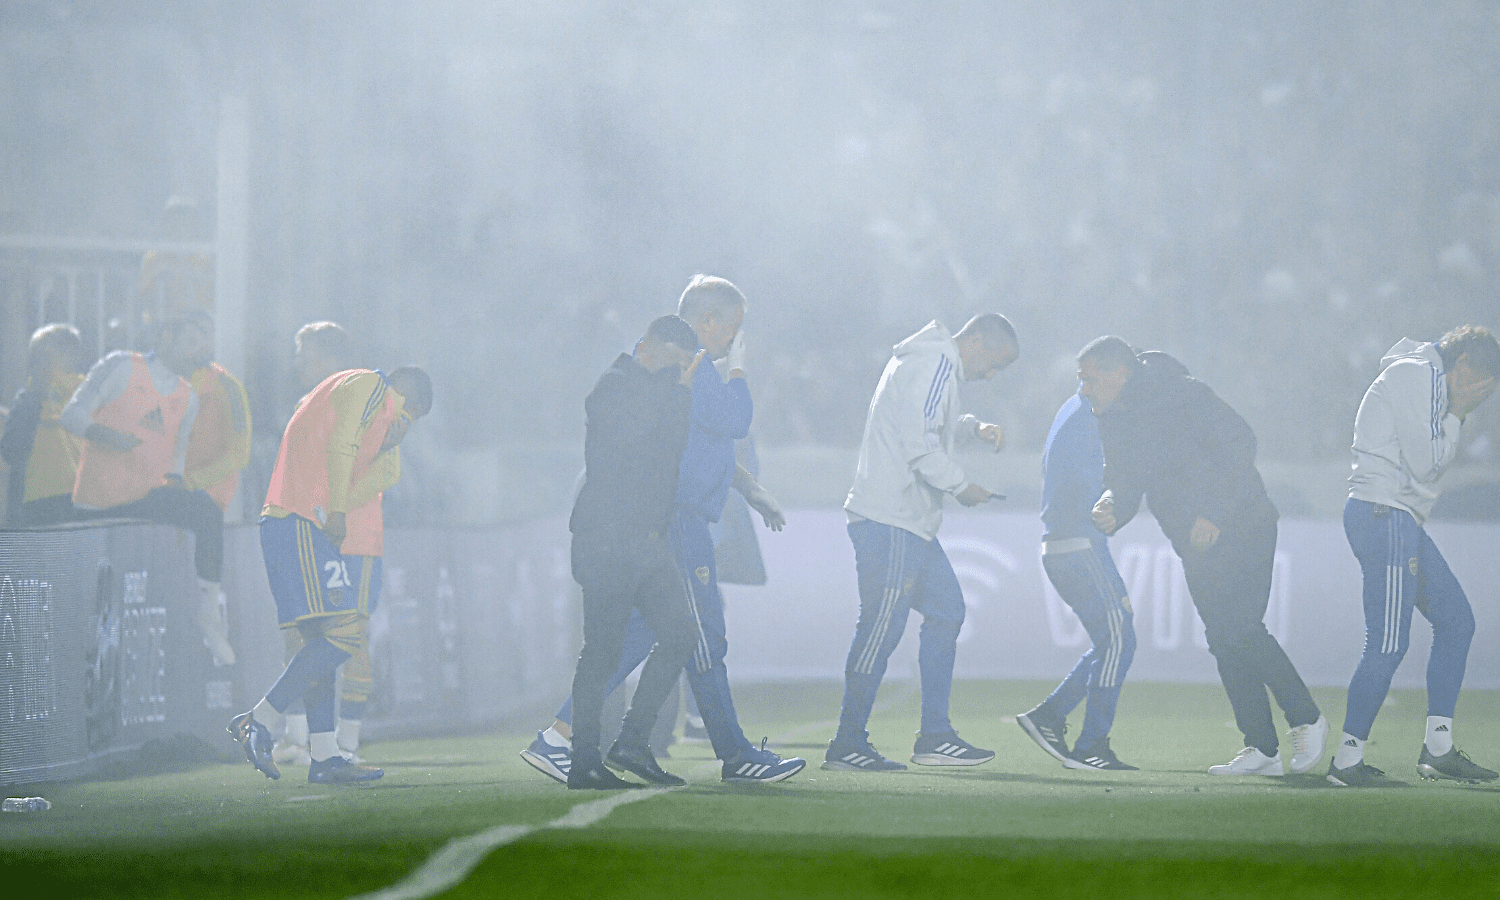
(266, 714)
(552, 737)
(296, 729)
(1351, 752)
(347, 735)
(1439, 735)
(324, 746)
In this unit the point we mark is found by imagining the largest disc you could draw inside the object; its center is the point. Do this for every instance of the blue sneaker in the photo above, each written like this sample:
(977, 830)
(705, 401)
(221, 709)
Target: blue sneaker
(549, 759)
(761, 766)
(858, 756)
(256, 739)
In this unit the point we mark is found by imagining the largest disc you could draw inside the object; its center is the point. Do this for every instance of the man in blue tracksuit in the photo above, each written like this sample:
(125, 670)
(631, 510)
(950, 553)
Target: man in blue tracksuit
(1405, 434)
(721, 414)
(1075, 556)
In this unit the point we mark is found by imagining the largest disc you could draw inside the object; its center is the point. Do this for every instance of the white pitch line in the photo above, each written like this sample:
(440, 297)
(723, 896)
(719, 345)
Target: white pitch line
(459, 857)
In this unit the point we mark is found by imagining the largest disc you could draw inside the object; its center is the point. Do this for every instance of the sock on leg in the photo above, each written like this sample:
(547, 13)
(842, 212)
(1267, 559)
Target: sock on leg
(555, 738)
(1439, 735)
(1351, 751)
(323, 745)
(296, 729)
(267, 715)
(211, 622)
(347, 735)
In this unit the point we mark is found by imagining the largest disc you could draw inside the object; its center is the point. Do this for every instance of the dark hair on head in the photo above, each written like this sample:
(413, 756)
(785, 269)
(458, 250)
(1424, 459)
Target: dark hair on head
(994, 329)
(58, 339)
(1475, 341)
(414, 385)
(708, 293)
(672, 330)
(328, 340)
(172, 326)
(1110, 351)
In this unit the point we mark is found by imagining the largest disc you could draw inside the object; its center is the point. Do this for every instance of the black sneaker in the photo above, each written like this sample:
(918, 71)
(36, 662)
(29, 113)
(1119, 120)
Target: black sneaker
(338, 770)
(640, 761)
(947, 750)
(1100, 756)
(1360, 775)
(1049, 733)
(1454, 765)
(256, 739)
(858, 757)
(595, 777)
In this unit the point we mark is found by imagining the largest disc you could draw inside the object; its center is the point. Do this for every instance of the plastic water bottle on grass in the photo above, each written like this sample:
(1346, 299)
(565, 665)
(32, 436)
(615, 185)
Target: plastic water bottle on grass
(25, 804)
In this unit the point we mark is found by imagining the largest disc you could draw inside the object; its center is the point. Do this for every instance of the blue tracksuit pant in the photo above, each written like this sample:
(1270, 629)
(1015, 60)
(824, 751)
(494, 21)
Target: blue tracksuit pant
(898, 572)
(1089, 583)
(1403, 570)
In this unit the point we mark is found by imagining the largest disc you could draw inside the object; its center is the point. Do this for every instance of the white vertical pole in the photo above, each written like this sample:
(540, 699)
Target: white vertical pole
(231, 241)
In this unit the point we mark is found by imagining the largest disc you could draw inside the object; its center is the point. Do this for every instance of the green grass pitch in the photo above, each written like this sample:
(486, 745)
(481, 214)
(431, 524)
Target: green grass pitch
(1019, 826)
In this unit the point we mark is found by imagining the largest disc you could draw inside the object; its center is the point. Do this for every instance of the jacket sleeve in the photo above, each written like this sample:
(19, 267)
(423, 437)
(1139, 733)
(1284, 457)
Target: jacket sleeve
(721, 408)
(227, 389)
(382, 475)
(354, 403)
(1230, 441)
(185, 432)
(922, 386)
(20, 428)
(1418, 398)
(107, 380)
(1124, 469)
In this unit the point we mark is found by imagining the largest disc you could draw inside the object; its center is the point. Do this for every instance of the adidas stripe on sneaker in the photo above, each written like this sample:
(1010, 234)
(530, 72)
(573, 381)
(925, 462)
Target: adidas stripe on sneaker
(947, 750)
(858, 757)
(761, 765)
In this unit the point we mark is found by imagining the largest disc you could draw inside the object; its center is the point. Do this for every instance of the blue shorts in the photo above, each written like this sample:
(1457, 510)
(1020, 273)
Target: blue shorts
(309, 578)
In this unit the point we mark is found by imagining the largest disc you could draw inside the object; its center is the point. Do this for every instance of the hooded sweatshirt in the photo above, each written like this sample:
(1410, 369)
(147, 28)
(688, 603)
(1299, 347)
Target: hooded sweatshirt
(905, 459)
(721, 415)
(1404, 435)
(1170, 438)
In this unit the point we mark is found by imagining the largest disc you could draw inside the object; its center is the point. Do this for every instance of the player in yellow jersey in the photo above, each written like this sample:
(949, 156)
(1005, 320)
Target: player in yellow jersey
(339, 452)
(42, 455)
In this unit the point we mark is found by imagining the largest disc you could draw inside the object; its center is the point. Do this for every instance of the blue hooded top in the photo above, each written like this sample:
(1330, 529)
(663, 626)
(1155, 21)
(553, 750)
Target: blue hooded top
(721, 415)
(1072, 473)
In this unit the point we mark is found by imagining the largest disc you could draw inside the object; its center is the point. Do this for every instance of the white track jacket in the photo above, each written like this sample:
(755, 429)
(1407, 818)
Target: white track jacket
(905, 460)
(1404, 435)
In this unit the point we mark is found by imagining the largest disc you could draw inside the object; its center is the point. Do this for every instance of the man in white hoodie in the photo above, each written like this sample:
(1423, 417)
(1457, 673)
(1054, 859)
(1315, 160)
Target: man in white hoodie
(1405, 434)
(895, 507)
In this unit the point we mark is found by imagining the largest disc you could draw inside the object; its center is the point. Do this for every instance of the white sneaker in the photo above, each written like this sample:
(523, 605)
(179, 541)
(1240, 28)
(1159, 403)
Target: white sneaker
(1250, 761)
(1308, 744)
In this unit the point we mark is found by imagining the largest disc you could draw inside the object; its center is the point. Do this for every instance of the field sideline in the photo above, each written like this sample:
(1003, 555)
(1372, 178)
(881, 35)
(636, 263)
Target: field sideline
(1019, 826)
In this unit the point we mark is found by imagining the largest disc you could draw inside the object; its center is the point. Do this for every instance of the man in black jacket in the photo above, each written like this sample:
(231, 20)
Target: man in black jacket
(1169, 438)
(638, 417)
